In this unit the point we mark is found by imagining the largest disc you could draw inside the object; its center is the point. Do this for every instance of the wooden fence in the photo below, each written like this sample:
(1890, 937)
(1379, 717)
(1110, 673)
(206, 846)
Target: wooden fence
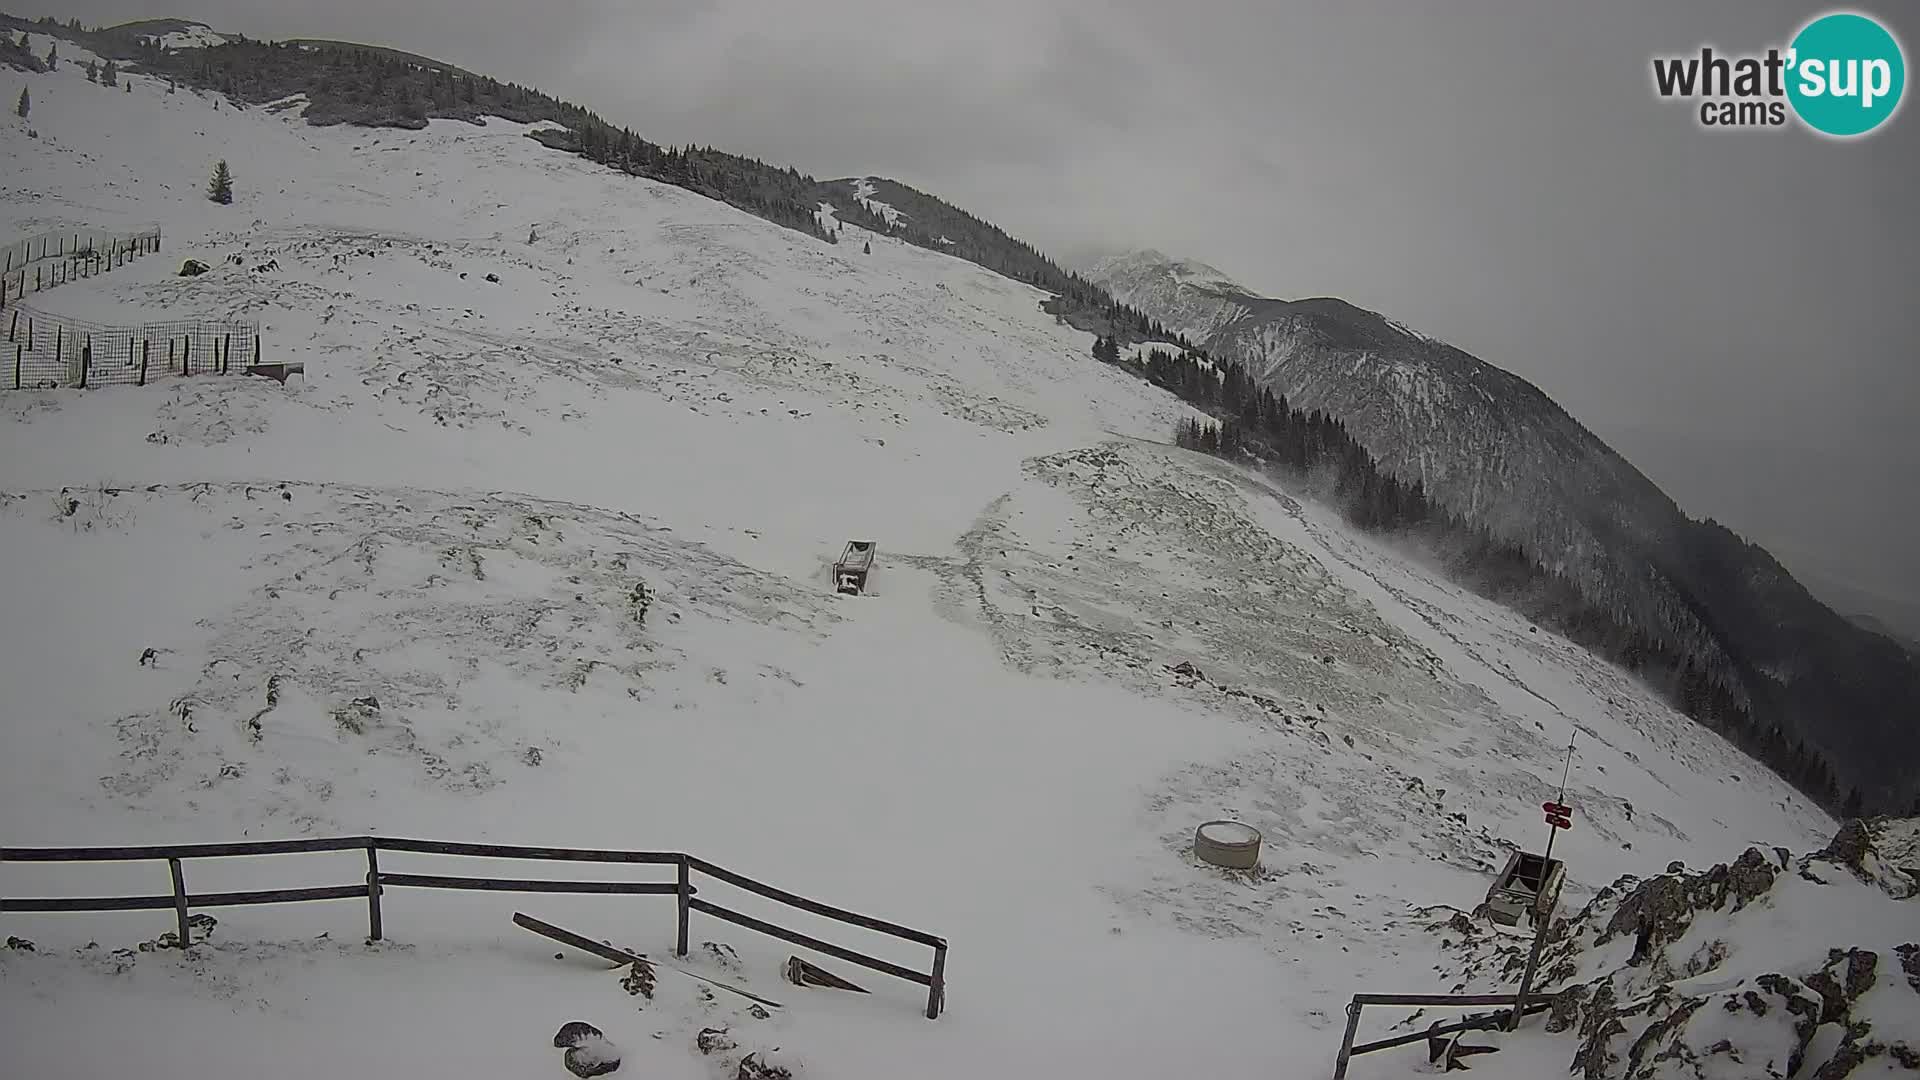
(182, 902)
(42, 262)
(47, 351)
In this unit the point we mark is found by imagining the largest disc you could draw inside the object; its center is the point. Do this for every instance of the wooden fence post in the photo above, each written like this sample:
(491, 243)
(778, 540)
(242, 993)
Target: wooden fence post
(86, 362)
(1346, 1043)
(180, 900)
(685, 894)
(937, 990)
(226, 351)
(373, 892)
(145, 348)
(17, 348)
(59, 339)
(256, 350)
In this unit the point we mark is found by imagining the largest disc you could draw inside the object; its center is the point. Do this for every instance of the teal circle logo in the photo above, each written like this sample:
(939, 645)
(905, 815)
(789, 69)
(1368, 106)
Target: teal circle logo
(1846, 75)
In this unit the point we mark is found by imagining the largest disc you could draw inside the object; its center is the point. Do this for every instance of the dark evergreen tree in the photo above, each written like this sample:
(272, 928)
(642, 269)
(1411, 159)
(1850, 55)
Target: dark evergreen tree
(109, 74)
(93, 72)
(25, 104)
(220, 189)
(867, 248)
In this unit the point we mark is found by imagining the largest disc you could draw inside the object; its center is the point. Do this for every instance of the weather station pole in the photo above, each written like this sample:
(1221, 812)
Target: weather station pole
(1558, 817)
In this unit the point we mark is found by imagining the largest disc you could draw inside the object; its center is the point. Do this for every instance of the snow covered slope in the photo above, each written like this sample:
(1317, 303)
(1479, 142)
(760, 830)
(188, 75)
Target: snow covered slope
(397, 596)
(1497, 451)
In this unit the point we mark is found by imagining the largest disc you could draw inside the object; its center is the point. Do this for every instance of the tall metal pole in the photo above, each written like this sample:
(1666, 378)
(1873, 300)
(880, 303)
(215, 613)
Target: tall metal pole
(1539, 926)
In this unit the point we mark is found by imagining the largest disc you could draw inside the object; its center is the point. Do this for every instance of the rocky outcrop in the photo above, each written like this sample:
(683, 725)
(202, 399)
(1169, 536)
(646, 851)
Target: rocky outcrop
(1739, 970)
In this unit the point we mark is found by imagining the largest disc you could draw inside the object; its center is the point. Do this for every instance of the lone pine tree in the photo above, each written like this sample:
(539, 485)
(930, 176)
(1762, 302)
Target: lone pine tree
(26, 104)
(220, 190)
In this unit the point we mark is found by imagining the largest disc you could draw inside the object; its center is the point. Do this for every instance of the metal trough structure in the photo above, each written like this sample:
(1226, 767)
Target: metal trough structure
(855, 563)
(1527, 890)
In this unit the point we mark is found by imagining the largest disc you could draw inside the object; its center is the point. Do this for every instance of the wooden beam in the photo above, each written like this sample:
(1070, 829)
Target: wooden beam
(813, 943)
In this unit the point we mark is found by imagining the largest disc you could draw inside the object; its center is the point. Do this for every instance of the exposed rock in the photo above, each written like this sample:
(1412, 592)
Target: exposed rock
(639, 980)
(1565, 1011)
(721, 954)
(1849, 846)
(714, 1041)
(752, 1068)
(573, 1031)
(193, 268)
(19, 944)
(1910, 963)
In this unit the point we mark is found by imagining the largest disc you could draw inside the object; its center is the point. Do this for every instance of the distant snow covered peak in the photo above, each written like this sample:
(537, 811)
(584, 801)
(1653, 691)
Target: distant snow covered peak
(191, 36)
(1149, 261)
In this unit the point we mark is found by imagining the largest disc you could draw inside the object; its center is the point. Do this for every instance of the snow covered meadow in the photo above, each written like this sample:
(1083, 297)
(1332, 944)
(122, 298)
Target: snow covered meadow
(1080, 644)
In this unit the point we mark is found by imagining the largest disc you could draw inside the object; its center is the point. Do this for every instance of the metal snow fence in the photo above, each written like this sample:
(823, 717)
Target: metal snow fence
(49, 351)
(42, 262)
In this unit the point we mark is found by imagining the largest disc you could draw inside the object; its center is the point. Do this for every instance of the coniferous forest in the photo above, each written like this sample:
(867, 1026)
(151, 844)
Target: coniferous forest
(1253, 425)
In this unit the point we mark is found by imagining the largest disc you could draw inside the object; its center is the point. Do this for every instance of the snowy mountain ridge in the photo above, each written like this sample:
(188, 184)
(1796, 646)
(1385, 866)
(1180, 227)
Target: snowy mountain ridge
(399, 595)
(1497, 451)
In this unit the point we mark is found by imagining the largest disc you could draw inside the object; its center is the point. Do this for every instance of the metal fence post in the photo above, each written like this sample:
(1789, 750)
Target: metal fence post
(373, 892)
(180, 900)
(1346, 1041)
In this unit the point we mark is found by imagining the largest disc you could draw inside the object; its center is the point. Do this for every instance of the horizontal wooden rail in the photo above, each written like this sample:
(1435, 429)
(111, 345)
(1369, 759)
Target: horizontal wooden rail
(509, 851)
(1490, 1022)
(814, 906)
(91, 903)
(182, 851)
(441, 881)
(813, 943)
(1433, 999)
(194, 900)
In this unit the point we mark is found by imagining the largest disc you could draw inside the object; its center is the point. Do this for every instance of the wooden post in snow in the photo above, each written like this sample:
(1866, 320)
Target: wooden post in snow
(146, 347)
(373, 892)
(180, 901)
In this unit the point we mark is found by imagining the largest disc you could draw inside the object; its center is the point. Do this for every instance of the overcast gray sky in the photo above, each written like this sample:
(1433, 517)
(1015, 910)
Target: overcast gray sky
(1737, 313)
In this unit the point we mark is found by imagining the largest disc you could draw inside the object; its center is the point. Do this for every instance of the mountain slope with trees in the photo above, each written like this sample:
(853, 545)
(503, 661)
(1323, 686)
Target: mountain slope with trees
(1494, 451)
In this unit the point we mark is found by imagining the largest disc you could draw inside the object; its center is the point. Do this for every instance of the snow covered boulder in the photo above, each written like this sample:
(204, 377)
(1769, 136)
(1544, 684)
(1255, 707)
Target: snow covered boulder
(593, 1055)
(193, 268)
(574, 1032)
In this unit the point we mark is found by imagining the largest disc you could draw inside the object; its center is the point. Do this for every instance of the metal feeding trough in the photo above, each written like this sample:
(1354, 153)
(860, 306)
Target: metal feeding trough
(1527, 890)
(1228, 844)
(850, 572)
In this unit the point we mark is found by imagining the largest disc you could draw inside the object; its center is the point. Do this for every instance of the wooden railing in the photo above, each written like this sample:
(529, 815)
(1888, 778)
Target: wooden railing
(1514, 1002)
(182, 902)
